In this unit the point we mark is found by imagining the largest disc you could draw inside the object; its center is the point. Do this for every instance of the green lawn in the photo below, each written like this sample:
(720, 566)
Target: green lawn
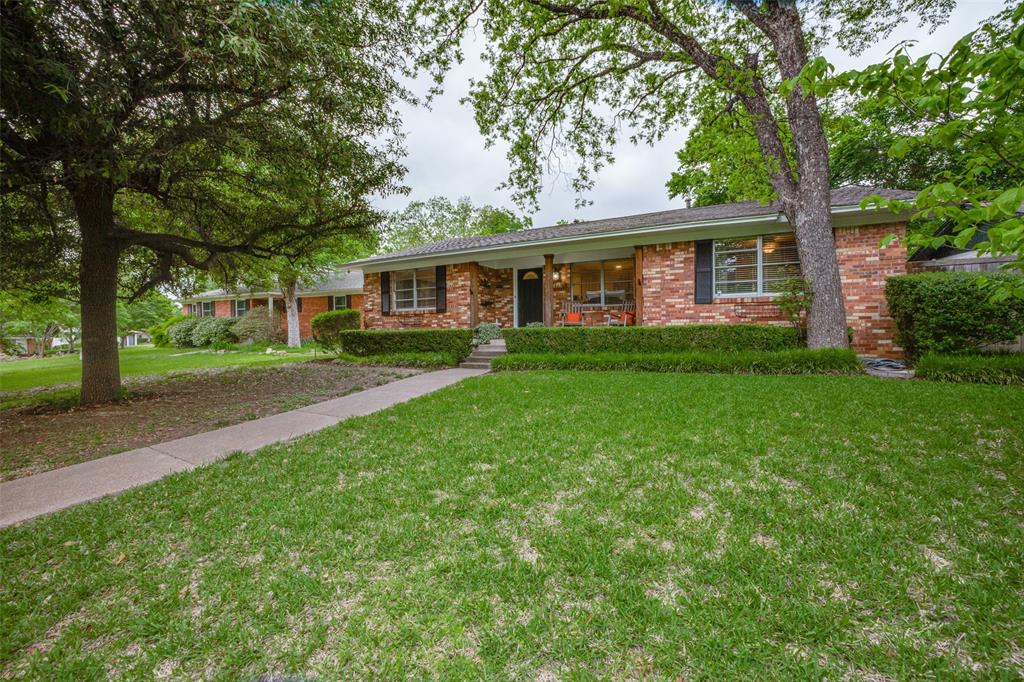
(548, 526)
(25, 374)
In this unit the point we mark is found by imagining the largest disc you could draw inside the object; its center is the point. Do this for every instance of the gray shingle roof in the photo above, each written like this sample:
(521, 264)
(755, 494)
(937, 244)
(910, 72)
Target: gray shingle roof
(341, 281)
(844, 196)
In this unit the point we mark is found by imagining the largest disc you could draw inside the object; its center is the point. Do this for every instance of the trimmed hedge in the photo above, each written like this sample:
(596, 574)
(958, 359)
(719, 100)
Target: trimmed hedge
(671, 339)
(364, 342)
(795, 361)
(158, 332)
(424, 360)
(948, 312)
(1007, 369)
(326, 326)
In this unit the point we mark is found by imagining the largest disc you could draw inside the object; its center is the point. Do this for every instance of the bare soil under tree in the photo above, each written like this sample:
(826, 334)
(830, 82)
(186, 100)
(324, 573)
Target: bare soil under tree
(38, 438)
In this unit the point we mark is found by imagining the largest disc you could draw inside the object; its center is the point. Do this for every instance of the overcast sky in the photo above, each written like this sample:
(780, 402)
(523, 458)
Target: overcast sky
(447, 157)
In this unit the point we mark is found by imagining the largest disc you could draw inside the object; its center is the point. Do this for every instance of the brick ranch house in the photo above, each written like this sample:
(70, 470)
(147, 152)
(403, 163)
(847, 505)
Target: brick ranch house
(342, 290)
(711, 264)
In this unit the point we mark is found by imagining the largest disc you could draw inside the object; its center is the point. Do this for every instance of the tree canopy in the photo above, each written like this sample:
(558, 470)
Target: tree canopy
(142, 138)
(969, 104)
(437, 218)
(568, 76)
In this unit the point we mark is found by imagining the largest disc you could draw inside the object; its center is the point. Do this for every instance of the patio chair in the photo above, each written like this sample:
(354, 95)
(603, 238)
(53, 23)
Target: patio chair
(571, 315)
(624, 317)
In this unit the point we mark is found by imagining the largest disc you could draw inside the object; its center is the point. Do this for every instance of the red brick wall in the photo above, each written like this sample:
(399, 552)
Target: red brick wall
(457, 315)
(311, 306)
(222, 308)
(495, 292)
(668, 279)
(863, 268)
(669, 282)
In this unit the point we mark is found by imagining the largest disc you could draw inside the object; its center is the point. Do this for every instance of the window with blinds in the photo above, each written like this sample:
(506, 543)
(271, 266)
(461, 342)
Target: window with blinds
(752, 266)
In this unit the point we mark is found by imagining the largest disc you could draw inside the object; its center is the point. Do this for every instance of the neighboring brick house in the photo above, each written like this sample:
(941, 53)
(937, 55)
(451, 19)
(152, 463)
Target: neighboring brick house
(719, 263)
(343, 290)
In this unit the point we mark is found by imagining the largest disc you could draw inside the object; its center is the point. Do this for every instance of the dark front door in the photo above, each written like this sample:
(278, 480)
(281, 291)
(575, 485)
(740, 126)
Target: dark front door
(531, 296)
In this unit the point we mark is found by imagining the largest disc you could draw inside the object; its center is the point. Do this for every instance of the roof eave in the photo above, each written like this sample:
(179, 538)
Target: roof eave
(848, 215)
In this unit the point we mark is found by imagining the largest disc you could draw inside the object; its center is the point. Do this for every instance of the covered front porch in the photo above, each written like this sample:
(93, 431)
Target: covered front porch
(588, 288)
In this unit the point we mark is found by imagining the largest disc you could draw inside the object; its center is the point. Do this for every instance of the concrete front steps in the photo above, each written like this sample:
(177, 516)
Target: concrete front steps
(482, 356)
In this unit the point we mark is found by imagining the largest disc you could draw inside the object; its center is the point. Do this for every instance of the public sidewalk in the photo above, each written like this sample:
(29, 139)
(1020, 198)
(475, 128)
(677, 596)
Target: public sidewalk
(26, 498)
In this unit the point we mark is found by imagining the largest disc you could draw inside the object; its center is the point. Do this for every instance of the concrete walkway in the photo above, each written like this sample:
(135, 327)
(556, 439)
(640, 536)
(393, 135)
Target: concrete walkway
(26, 498)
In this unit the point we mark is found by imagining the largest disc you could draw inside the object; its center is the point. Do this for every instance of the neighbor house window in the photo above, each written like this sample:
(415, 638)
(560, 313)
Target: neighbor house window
(239, 308)
(608, 282)
(204, 309)
(752, 266)
(339, 302)
(414, 289)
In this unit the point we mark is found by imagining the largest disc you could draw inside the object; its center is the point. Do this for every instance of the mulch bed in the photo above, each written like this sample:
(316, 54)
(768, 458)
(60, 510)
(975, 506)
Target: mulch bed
(42, 437)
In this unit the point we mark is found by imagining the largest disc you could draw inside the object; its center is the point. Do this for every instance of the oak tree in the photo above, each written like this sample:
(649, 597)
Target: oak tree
(567, 75)
(141, 139)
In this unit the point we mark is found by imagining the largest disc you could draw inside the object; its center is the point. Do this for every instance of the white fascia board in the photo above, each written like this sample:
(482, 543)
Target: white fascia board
(842, 216)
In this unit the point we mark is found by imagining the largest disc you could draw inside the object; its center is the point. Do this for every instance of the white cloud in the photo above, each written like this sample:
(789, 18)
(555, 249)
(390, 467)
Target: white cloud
(447, 156)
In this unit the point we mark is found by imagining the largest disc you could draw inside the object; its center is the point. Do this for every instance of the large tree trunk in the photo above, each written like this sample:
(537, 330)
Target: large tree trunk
(291, 306)
(808, 202)
(97, 276)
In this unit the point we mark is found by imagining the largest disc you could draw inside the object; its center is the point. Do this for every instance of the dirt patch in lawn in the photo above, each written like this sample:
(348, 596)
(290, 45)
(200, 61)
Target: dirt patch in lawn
(157, 409)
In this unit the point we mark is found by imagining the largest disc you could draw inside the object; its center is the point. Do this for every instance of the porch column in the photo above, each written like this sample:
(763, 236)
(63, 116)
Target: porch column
(270, 307)
(549, 290)
(638, 283)
(474, 294)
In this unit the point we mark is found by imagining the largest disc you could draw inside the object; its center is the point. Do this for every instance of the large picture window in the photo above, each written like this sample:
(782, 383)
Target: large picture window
(414, 289)
(602, 283)
(752, 266)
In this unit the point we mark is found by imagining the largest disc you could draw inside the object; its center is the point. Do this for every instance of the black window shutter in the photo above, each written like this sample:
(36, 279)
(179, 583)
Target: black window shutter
(702, 266)
(298, 305)
(441, 288)
(330, 303)
(385, 293)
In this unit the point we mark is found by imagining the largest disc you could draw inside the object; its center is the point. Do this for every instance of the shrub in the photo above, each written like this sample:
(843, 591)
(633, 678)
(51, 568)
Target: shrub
(213, 330)
(259, 326)
(948, 312)
(456, 342)
(995, 368)
(486, 332)
(180, 333)
(795, 299)
(326, 326)
(158, 332)
(674, 339)
(794, 361)
(425, 360)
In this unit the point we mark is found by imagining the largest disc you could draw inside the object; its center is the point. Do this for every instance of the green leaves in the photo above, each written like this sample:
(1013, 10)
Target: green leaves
(422, 222)
(964, 107)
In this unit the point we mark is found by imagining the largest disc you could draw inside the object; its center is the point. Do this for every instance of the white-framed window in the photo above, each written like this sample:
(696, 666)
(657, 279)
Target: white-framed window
(339, 302)
(414, 289)
(754, 266)
(239, 308)
(602, 283)
(201, 309)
